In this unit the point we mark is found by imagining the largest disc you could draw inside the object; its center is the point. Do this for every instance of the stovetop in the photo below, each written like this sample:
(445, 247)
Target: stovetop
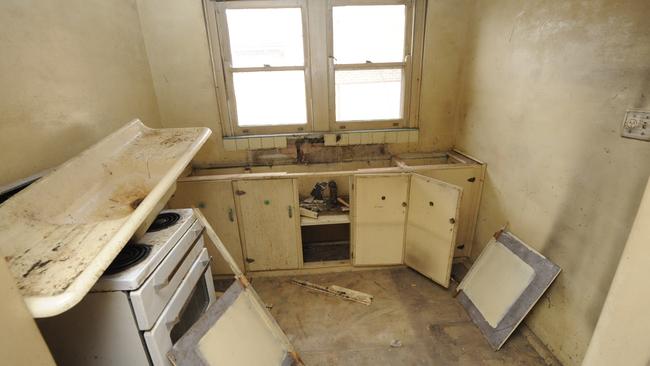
(130, 256)
(138, 260)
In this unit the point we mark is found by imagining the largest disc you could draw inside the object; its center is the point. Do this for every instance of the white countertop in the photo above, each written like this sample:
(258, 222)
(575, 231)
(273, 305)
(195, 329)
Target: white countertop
(59, 234)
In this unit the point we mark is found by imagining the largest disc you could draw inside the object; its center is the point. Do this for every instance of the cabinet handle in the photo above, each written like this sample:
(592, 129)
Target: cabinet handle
(403, 204)
(231, 214)
(290, 211)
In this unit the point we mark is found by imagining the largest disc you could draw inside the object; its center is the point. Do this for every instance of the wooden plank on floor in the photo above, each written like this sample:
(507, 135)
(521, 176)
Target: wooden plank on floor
(334, 290)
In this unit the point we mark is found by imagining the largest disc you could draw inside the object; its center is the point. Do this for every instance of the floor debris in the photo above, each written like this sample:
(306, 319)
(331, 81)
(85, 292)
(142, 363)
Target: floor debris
(396, 343)
(308, 213)
(334, 290)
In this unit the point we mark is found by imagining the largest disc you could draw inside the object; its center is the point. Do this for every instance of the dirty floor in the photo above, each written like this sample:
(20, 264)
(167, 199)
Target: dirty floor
(430, 324)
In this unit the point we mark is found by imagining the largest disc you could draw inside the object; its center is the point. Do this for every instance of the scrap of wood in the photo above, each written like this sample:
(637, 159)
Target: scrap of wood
(343, 202)
(308, 213)
(334, 290)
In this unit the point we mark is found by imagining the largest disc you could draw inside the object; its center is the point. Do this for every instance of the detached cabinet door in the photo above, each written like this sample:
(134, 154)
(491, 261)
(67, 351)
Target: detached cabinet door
(431, 227)
(379, 214)
(270, 222)
(215, 199)
(236, 331)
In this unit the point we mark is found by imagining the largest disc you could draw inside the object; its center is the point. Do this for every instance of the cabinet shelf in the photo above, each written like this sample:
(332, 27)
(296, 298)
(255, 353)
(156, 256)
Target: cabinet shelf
(326, 219)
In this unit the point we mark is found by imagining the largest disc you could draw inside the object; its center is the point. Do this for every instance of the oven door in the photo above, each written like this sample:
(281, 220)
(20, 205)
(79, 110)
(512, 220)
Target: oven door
(194, 295)
(151, 298)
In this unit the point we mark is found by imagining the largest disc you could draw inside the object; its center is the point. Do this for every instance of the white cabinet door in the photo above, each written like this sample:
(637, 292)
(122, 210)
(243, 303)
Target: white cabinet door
(378, 218)
(215, 199)
(431, 227)
(269, 223)
(238, 331)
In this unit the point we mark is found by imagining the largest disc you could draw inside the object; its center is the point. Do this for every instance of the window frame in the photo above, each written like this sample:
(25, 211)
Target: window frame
(228, 70)
(318, 66)
(405, 66)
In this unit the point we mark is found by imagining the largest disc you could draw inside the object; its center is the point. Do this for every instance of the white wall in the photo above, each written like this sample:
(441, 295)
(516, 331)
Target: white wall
(20, 343)
(621, 335)
(71, 72)
(546, 87)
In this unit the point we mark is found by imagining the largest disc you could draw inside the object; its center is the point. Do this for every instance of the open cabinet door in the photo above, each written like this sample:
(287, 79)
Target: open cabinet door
(237, 330)
(431, 227)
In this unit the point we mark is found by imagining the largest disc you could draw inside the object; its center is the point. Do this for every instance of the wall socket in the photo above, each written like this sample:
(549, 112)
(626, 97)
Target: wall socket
(636, 125)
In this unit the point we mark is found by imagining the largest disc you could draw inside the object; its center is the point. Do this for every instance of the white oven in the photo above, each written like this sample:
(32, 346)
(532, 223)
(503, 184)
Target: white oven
(190, 301)
(148, 298)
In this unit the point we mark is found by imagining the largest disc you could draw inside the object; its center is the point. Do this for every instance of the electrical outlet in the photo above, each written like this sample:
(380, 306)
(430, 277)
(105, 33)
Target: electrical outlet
(636, 125)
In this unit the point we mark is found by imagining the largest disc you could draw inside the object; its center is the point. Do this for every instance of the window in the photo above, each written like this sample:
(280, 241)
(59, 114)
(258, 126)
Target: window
(360, 60)
(263, 57)
(368, 56)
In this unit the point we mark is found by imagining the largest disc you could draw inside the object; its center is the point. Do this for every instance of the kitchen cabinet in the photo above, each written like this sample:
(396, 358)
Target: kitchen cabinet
(216, 201)
(269, 223)
(431, 227)
(378, 230)
(405, 218)
(378, 218)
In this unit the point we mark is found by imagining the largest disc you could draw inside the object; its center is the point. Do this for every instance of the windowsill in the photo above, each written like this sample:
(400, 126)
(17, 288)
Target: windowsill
(338, 138)
(317, 134)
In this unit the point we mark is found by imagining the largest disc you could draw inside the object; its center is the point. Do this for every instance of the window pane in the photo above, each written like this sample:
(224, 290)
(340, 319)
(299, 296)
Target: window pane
(364, 95)
(368, 33)
(261, 37)
(270, 98)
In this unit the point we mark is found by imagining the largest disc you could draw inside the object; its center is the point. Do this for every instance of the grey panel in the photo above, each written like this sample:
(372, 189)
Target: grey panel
(545, 272)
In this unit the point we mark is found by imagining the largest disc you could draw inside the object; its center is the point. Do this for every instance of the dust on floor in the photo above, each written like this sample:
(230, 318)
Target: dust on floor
(430, 324)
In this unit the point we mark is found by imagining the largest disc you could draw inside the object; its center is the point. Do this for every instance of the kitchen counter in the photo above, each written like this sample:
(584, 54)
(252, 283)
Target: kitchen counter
(59, 234)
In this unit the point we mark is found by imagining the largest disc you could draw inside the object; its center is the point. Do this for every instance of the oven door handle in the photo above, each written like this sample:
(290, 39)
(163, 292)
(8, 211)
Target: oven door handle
(162, 284)
(170, 324)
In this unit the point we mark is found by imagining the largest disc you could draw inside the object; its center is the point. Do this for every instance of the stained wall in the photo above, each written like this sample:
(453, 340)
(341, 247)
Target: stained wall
(71, 72)
(545, 89)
